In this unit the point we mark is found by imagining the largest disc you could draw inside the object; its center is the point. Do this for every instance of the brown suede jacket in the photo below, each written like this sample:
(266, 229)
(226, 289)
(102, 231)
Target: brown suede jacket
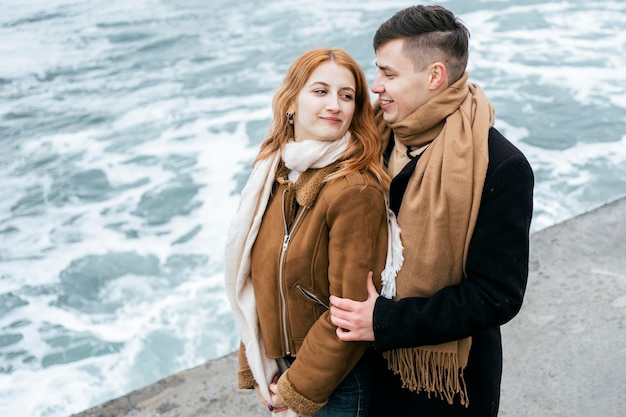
(315, 239)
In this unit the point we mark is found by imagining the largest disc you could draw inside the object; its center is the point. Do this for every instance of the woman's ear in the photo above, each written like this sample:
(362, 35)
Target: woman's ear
(438, 76)
(290, 113)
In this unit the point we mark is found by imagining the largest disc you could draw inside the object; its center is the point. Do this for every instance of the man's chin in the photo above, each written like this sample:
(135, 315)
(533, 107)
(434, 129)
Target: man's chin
(388, 117)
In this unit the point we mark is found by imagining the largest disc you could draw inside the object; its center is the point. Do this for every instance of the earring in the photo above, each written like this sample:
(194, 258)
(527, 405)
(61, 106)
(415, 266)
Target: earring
(290, 117)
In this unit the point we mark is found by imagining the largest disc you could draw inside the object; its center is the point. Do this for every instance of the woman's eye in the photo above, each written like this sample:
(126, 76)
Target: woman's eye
(347, 97)
(320, 91)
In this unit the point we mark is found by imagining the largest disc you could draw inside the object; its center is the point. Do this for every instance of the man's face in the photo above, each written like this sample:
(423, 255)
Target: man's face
(400, 88)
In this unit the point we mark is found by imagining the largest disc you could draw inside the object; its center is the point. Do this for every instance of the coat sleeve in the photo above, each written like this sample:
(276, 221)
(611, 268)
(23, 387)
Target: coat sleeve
(357, 224)
(245, 379)
(497, 271)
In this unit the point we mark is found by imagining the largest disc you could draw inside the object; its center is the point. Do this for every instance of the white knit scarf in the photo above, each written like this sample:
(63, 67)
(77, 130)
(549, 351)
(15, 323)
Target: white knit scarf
(298, 156)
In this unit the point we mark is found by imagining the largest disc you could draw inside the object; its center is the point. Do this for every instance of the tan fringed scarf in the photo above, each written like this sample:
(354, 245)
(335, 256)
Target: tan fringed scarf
(437, 218)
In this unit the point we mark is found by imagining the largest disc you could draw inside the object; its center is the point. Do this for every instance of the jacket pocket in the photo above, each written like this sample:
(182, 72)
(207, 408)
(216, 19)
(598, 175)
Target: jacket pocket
(308, 294)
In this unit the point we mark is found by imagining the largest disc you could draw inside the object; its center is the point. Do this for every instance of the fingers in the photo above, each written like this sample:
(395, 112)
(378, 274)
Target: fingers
(371, 289)
(346, 335)
(344, 328)
(277, 405)
(344, 304)
(341, 303)
(258, 393)
(273, 389)
(348, 329)
(277, 400)
(279, 409)
(353, 318)
(337, 318)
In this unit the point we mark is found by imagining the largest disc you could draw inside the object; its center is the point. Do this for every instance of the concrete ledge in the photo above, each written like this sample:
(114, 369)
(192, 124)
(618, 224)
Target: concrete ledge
(209, 389)
(564, 354)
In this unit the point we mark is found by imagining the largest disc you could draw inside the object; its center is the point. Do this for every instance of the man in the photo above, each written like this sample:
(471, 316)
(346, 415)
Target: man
(462, 194)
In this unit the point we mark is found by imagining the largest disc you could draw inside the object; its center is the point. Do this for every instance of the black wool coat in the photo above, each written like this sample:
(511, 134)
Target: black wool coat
(490, 295)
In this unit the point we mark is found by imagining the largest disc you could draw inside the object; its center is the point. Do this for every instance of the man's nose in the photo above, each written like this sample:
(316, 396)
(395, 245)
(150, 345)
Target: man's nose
(377, 86)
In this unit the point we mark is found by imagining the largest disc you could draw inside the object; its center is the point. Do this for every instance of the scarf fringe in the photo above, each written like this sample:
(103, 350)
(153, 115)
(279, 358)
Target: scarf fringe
(437, 373)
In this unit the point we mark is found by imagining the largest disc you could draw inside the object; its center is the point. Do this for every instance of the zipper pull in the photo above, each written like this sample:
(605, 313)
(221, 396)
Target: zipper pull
(286, 241)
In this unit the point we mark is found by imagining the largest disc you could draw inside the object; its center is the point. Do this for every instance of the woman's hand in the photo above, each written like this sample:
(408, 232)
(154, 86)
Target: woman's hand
(277, 405)
(354, 319)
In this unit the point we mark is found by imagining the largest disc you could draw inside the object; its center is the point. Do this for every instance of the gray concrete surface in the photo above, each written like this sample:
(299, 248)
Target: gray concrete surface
(564, 354)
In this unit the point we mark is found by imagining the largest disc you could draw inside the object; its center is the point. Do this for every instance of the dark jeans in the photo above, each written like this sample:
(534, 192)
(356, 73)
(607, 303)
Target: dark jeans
(352, 396)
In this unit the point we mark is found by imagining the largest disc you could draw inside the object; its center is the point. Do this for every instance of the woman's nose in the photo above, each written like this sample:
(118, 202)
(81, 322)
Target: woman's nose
(333, 104)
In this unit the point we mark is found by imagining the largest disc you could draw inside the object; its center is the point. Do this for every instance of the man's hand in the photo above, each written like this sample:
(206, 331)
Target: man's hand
(354, 319)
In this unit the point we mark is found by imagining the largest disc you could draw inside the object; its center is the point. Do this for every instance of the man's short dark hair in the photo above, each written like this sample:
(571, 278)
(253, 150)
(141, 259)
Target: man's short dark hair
(431, 33)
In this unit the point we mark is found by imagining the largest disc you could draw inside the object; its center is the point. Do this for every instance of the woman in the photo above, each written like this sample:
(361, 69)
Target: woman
(312, 222)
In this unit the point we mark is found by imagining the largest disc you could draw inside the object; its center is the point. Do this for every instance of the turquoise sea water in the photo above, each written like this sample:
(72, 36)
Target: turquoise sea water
(127, 130)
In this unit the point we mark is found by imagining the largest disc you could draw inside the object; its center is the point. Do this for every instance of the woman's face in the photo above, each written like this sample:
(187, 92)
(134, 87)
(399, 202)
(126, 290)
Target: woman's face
(325, 105)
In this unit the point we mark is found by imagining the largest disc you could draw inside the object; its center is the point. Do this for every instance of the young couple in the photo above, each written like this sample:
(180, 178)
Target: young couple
(315, 239)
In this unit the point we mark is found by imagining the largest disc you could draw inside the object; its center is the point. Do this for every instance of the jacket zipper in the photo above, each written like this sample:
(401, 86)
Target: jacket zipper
(286, 239)
(312, 296)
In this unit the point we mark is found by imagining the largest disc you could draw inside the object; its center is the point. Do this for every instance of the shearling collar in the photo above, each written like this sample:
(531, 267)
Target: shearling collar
(308, 184)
